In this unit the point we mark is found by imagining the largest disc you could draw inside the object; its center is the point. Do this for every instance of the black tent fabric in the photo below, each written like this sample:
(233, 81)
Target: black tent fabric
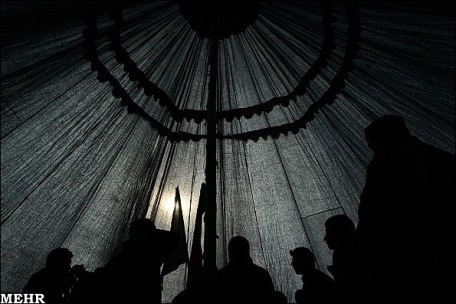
(104, 114)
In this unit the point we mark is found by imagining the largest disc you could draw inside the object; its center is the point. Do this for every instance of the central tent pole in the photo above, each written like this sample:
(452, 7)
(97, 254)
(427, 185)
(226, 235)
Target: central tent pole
(210, 235)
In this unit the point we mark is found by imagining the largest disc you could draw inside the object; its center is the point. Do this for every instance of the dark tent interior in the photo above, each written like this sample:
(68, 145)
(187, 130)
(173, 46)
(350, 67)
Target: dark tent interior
(107, 107)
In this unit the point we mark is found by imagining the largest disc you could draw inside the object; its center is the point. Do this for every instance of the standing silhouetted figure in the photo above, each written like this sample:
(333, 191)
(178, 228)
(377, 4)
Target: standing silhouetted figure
(55, 280)
(241, 281)
(317, 286)
(406, 223)
(347, 265)
(133, 275)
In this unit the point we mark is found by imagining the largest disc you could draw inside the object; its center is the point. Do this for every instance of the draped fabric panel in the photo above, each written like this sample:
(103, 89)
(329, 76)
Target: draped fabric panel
(103, 115)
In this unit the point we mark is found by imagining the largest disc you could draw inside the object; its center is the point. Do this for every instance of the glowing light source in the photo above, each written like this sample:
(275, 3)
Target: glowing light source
(170, 201)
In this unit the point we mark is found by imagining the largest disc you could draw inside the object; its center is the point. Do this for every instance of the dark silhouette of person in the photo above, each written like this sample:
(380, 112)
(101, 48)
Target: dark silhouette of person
(199, 290)
(405, 215)
(278, 297)
(88, 286)
(348, 268)
(55, 280)
(241, 281)
(133, 275)
(317, 286)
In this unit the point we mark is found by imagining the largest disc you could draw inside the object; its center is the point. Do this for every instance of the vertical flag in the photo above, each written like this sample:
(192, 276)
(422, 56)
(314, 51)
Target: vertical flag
(195, 265)
(180, 254)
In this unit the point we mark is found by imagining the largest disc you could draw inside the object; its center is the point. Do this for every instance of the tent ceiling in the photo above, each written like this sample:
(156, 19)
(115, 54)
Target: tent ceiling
(220, 18)
(104, 115)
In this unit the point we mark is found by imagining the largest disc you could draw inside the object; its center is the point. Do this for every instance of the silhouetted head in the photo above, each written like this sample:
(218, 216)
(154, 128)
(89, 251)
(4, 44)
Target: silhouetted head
(239, 249)
(386, 132)
(59, 260)
(141, 229)
(339, 230)
(303, 260)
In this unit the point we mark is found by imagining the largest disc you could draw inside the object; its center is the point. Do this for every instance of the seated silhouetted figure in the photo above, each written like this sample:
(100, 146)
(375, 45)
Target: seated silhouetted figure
(241, 281)
(406, 224)
(347, 265)
(55, 280)
(133, 275)
(317, 286)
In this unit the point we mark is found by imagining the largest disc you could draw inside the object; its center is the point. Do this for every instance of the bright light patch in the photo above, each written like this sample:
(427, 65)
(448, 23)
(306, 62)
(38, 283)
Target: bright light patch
(169, 203)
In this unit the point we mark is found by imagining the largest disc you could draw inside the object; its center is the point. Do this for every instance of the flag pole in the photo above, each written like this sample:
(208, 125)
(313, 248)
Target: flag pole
(210, 246)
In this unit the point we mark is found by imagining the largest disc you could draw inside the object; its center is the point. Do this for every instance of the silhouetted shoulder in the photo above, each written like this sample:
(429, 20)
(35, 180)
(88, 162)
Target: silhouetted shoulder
(241, 281)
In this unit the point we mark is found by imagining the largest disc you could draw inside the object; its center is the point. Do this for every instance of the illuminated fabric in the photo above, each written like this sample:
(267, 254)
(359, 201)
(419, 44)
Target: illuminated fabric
(103, 116)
